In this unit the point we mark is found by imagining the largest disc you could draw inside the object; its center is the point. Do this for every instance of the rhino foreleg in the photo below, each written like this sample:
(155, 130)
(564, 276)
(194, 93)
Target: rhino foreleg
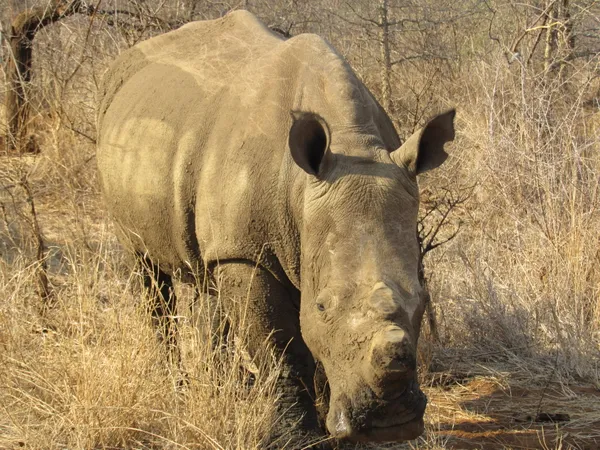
(272, 312)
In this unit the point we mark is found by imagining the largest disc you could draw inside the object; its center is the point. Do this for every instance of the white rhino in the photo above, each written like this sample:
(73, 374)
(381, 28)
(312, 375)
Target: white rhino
(223, 146)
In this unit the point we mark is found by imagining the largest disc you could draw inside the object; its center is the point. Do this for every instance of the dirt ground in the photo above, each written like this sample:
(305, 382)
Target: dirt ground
(493, 412)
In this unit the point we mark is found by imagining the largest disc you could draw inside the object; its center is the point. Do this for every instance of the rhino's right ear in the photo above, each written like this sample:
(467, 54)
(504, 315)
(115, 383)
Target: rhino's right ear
(424, 150)
(309, 142)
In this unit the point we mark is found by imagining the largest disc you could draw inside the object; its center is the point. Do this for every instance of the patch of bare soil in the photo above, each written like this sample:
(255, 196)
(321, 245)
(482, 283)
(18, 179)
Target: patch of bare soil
(489, 412)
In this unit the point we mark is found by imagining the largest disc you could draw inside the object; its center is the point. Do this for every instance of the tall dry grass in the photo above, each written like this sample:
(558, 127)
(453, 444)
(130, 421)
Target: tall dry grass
(518, 288)
(521, 279)
(89, 373)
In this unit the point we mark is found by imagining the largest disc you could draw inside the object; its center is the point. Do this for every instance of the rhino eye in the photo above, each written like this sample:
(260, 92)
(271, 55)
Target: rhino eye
(321, 307)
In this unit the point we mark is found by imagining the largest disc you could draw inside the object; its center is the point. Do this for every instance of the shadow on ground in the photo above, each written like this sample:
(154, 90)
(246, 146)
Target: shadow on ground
(495, 412)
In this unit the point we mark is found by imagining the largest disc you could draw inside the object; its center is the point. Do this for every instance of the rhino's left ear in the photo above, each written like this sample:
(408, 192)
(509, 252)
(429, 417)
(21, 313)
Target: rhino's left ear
(309, 142)
(424, 150)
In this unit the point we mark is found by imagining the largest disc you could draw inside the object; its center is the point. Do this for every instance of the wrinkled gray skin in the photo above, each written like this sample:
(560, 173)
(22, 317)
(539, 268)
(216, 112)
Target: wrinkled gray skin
(221, 144)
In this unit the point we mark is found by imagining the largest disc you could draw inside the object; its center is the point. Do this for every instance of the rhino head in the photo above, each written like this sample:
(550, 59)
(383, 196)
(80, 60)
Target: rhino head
(362, 302)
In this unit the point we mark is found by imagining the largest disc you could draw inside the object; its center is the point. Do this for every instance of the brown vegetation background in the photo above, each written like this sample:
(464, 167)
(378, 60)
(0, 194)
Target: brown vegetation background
(510, 225)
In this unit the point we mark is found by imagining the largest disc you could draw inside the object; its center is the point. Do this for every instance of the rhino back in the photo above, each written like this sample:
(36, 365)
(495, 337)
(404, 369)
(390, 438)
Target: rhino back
(193, 129)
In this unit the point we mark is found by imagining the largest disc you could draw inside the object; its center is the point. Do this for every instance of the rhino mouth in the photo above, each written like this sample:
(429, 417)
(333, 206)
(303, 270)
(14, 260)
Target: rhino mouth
(392, 433)
(394, 422)
(400, 419)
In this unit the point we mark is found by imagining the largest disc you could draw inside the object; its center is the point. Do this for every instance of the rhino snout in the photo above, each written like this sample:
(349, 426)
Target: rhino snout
(391, 362)
(363, 417)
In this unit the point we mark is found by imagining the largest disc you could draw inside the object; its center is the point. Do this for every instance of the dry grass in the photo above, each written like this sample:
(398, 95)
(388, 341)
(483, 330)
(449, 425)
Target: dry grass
(89, 373)
(516, 292)
(522, 277)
